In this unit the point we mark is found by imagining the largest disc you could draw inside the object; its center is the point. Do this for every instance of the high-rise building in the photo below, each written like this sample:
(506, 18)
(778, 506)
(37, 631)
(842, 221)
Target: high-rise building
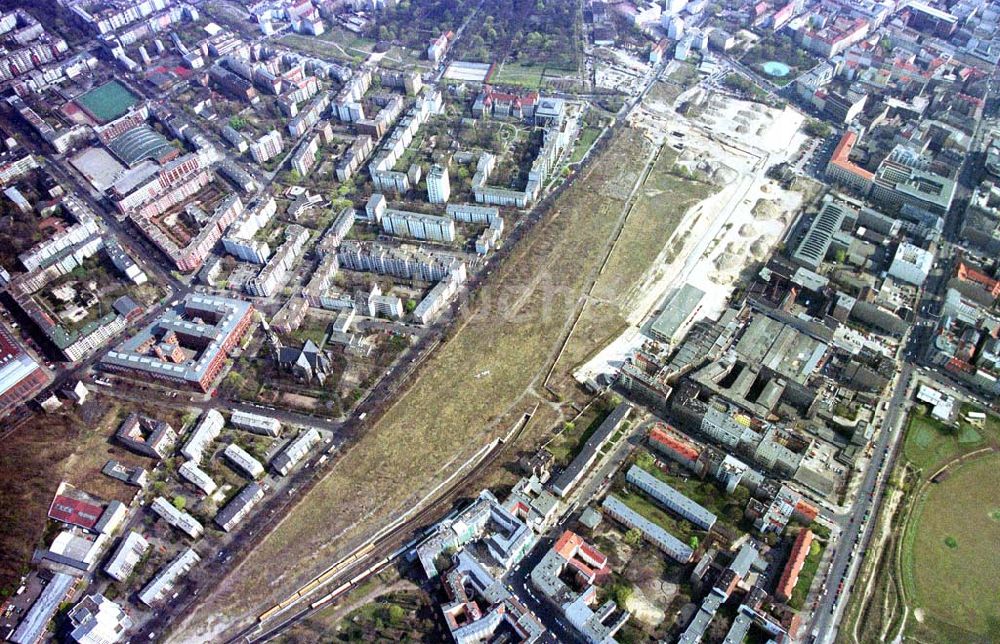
(267, 147)
(438, 185)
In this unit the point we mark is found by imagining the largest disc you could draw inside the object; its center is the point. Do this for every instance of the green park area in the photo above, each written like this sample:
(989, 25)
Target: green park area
(930, 443)
(526, 75)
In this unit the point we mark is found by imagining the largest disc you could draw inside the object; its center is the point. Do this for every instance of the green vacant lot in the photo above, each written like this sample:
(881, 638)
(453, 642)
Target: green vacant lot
(930, 443)
(521, 74)
(588, 135)
(951, 558)
(938, 567)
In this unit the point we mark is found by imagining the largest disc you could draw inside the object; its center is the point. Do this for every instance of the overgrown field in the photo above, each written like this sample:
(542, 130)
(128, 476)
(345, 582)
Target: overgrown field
(658, 209)
(952, 559)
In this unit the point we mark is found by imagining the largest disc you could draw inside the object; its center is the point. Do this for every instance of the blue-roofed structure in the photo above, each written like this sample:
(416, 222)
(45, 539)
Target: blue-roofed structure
(653, 533)
(670, 498)
(32, 627)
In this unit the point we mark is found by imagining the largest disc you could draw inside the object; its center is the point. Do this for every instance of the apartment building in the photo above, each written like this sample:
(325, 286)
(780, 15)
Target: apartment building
(304, 159)
(273, 275)
(438, 185)
(668, 543)
(418, 226)
(240, 506)
(177, 518)
(406, 262)
(289, 457)
(168, 576)
(239, 240)
(267, 147)
(670, 498)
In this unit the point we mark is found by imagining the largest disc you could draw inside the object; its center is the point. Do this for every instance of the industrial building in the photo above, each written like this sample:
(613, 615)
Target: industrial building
(679, 311)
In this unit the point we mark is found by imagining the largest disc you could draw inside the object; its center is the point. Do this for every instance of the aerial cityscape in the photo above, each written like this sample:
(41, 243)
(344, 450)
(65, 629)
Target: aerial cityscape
(509, 321)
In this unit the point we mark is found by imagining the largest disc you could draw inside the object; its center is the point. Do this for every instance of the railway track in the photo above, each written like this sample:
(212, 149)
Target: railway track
(373, 557)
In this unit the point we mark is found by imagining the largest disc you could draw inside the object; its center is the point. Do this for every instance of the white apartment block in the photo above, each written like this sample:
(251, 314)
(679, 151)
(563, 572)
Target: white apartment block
(438, 296)
(239, 241)
(438, 185)
(473, 214)
(267, 147)
(206, 431)
(126, 556)
(295, 451)
(243, 461)
(255, 423)
(164, 580)
(418, 226)
(304, 159)
(274, 274)
(335, 234)
(405, 262)
(176, 518)
(197, 477)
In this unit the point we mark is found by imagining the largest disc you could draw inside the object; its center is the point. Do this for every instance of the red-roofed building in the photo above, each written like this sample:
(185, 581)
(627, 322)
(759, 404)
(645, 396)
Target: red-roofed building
(790, 575)
(805, 511)
(493, 102)
(842, 170)
(836, 37)
(966, 274)
(657, 51)
(782, 16)
(438, 47)
(75, 511)
(590, 564)
(671, 443)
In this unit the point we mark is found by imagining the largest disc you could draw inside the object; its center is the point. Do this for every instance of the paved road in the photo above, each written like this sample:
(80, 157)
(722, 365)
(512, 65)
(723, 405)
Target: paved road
(859, 530)
(518, 580)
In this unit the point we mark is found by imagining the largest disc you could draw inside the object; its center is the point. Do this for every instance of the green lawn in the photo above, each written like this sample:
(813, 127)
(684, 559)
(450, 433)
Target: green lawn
(311, 329)
(109, 101)
(930, 443)
(809, 568)
(524, 75)
(588, 135)
(951, 558)
(680, 528)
